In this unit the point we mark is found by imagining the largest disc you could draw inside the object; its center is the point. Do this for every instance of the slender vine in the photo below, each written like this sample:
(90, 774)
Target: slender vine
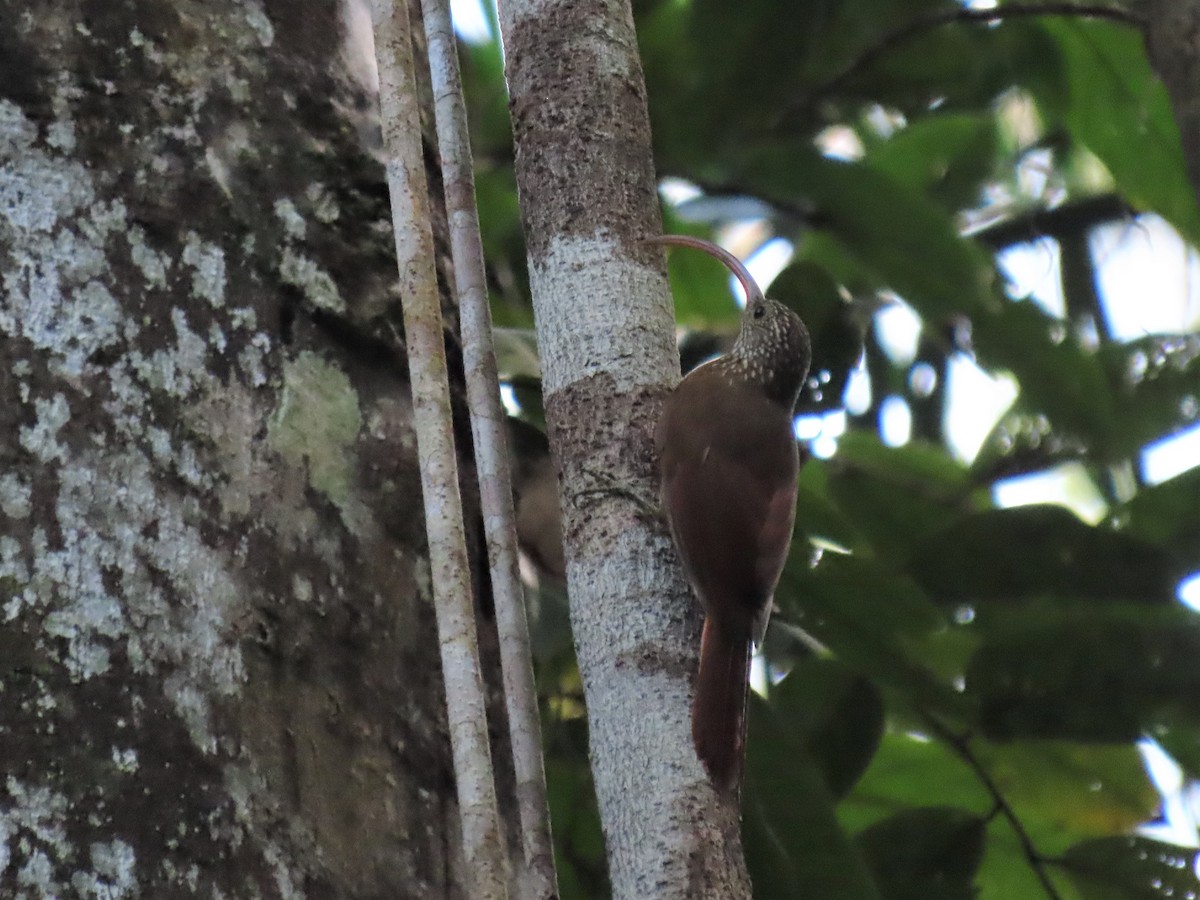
(961, 745)
(536, 875)
(483, 846)
(915, 28)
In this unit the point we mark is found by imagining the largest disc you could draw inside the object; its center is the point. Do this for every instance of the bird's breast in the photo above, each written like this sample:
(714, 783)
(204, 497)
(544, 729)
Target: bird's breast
(728, 465)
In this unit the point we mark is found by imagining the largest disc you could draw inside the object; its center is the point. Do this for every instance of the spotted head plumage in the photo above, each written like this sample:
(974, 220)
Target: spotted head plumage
(772, 348)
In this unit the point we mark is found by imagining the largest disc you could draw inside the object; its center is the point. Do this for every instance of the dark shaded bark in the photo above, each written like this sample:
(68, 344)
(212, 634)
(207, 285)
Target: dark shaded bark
(218, 657)
(1173, 45)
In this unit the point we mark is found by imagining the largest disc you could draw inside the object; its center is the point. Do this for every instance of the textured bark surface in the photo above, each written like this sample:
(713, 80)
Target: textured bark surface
(218, 663)
(1173, 44)
(606, 341)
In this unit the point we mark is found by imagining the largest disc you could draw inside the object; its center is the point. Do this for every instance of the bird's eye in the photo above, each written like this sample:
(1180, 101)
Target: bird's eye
(759, 311)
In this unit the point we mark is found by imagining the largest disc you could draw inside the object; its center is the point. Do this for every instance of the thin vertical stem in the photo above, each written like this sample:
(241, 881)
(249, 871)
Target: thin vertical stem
(466, 713)
(491, 452)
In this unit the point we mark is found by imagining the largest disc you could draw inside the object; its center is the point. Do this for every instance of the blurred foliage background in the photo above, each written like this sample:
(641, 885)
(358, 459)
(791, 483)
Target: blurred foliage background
(984, 673)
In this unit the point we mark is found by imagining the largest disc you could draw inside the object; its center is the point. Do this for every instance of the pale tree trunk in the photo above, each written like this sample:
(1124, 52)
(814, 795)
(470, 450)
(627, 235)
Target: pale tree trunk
(433, 422)
(218, 662)
(606, 342)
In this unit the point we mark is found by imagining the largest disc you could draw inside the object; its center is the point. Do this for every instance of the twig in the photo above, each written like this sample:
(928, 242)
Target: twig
(466, 712)
(650, 509)
(537, 879)
(961, 746)
(914, 28)
(1075, 217)
(1072, 217)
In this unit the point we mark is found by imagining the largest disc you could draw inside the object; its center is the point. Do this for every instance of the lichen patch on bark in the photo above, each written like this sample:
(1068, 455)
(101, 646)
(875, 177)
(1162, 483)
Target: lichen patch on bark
(317, 421)
(214, 650)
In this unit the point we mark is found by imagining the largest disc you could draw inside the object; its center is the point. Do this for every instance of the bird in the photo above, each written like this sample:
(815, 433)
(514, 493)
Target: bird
(728, 463)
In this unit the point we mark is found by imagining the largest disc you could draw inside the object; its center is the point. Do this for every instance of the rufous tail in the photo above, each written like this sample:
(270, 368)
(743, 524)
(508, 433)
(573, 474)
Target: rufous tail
(719, 710)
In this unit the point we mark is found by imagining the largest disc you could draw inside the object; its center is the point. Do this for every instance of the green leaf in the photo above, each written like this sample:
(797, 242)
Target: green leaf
(862, 588)
(894, 515)
(1156, 402)
(947, 155)
(503, 246)
(1036, 550)
(767, 858)
(960, 66)
(928, 853)
(1060, 793)
(794, 844)
(1057, 377)
(896, 496)
(870, 618)
(912, 770)
(835, 326)
(578, 840)
(1131, 868)
(1063, 791)
(1136, 136)
(835, 713)
(720, 75)
(1006, 872)
(1167, 514)
(816, 517)
(923, 466)
(906, 240)
(1084, 672)
(1178, 732)
(486, 98)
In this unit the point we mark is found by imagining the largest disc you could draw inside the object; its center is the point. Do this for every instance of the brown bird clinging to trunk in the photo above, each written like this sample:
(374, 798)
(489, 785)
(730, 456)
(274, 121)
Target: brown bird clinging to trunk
(728, 460)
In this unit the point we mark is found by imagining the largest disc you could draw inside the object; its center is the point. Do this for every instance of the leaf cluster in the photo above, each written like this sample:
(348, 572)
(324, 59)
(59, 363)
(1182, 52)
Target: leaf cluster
(957, 691)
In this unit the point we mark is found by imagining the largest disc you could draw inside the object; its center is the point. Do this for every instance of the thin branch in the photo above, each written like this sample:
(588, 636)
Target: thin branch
(962, 747)
(919, 26)
(466, 712)
(1071, 217)
(537, 879)
(1074, 217)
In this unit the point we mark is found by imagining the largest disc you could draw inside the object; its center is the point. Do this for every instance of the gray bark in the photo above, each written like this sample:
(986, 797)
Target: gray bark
(433, 421)
(218, 660)
(1173, 44)
(535, 868)
(606, 342)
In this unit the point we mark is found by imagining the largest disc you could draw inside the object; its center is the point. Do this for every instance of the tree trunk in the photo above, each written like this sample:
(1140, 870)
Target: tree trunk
(218, 663)
(606, 342)
(1173, 45)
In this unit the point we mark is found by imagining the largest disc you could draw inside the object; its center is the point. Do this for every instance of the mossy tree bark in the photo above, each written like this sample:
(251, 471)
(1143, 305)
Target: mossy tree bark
(218, 659)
